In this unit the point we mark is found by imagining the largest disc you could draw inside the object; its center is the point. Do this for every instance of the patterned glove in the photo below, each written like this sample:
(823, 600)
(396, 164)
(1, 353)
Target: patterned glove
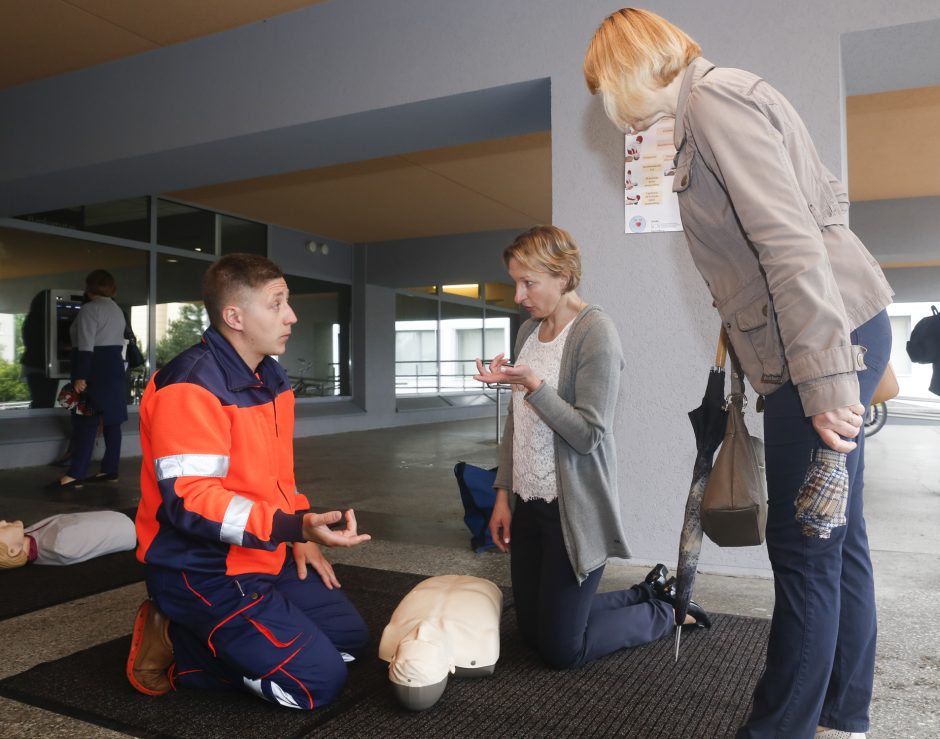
(820, 504)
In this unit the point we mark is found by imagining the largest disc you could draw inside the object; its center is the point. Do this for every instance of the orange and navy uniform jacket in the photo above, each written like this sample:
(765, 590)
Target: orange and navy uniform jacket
(217, 479)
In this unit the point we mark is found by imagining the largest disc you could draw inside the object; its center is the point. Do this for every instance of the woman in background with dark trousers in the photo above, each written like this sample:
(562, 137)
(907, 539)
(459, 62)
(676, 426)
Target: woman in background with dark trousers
(97, 335)
(803, 302)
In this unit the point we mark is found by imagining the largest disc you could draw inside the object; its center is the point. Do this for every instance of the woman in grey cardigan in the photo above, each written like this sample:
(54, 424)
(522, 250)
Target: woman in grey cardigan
(803, 303)
(558, 460)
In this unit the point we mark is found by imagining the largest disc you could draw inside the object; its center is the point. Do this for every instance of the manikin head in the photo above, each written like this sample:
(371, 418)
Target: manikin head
(14, 551)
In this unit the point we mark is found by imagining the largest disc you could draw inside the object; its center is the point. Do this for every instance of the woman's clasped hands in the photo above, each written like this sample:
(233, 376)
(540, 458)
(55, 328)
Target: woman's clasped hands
(500, 371)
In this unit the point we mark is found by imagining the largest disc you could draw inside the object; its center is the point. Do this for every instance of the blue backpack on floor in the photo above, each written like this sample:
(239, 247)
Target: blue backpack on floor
(478, 496)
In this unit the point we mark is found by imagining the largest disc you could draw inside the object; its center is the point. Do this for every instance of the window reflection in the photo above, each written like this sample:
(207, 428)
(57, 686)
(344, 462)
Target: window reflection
(34, 266)
(180, 317)
(239, 235)
(317, 356)
(185, 227)
(437, 342)
(415, 345)
(128, 218)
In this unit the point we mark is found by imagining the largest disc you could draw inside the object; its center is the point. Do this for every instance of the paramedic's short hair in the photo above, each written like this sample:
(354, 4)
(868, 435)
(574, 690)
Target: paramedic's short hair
(232, 275)
(547, 249)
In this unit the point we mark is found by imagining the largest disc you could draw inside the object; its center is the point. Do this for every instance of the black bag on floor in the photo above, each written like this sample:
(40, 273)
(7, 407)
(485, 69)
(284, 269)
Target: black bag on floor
(478, 496)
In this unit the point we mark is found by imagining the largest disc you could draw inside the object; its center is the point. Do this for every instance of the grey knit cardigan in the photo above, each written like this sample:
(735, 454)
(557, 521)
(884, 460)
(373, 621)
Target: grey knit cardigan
(581, 413)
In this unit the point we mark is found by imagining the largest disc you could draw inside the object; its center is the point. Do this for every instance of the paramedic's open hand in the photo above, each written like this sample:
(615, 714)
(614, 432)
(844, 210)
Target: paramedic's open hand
(500, 521)
(317, 529)
(308, 553)
(832, 425)
(499, 371)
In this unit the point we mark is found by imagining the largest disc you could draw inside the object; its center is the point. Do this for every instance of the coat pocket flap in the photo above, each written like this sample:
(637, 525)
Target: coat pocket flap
(751, 317)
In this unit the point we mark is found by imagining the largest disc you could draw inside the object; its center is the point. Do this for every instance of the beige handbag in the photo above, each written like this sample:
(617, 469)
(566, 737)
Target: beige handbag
(887, 387)
(734, 506)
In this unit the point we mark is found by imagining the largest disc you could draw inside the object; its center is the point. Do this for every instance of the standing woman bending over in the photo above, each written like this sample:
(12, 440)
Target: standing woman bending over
(803, 303)
(558, 460)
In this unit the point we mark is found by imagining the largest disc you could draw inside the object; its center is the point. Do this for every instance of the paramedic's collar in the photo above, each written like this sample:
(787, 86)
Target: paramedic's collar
(238, 375)
(697, 69)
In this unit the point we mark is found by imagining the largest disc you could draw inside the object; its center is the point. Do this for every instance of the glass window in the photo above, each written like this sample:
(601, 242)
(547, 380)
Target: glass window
(900, 333)
(127, 219)
(500, 333)
(180, 317)
(464, 291)
(42, 278)
(427, 289)
(185, 227)
(499, 295)
(317, 356)
(239, 235)
(461, 344)
(415, 345)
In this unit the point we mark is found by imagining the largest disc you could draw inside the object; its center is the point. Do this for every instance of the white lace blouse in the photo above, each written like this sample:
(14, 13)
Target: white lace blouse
(533, 443)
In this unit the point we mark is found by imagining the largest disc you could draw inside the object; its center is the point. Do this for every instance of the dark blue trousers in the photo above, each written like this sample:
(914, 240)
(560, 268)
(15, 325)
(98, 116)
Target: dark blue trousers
(84, 431)
(276, 636)
(571, 624)
(821, 655)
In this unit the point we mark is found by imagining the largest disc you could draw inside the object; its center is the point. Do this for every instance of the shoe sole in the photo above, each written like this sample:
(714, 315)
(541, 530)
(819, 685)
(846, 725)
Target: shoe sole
(140, 621)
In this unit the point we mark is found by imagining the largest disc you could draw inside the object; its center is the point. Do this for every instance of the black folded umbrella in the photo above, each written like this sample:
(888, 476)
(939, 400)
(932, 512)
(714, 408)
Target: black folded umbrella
(708, 421)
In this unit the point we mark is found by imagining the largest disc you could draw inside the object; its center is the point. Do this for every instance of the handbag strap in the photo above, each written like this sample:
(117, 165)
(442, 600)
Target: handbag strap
(737, 395)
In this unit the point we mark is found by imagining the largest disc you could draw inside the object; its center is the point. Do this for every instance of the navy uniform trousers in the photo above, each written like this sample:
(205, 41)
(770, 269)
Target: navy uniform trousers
(821, 656)
(571, 624)
(274, 635)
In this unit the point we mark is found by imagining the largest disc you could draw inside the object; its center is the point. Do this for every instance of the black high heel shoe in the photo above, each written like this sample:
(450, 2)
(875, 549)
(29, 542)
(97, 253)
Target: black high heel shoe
(57, 485)
(667, 593)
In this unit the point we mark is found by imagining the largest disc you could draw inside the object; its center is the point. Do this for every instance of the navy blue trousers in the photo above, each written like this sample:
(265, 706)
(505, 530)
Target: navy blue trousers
(821, 654)
(84, 431)
(571, 624)
(276, 636)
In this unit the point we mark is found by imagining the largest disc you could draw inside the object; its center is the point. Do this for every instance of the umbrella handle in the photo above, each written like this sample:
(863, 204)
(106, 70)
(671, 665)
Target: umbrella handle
(722, 351)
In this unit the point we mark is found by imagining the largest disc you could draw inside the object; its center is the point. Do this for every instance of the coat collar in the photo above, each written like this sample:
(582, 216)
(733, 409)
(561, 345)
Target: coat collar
(697, 69)
(239, 375)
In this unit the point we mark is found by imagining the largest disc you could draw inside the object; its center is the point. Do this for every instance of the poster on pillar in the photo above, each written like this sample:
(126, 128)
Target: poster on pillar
(650, 205)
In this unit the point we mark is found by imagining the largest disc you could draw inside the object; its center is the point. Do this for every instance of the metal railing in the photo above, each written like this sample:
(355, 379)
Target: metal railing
(430, 376)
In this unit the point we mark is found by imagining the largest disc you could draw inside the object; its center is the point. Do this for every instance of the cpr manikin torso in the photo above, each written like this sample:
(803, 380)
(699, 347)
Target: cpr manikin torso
(66, 538)
(447, 624)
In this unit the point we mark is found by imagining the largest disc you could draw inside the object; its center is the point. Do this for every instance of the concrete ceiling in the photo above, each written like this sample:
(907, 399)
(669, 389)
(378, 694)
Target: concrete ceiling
(42, 38)
(893, 151)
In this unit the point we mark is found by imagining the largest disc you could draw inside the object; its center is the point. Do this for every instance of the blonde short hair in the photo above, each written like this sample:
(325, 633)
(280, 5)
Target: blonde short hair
(634, 50)
(547, 249)
(9, 561)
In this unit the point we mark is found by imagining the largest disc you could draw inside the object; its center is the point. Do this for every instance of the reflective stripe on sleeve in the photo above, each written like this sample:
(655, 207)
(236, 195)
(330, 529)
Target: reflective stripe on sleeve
(235, 520)
(191, 465)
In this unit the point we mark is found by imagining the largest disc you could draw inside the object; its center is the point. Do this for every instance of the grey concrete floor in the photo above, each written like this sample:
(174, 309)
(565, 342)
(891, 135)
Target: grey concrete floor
(401, 483)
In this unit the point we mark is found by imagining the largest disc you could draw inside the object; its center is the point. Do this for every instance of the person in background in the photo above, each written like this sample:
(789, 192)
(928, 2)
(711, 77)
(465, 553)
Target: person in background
(97, 336)
(557, 461)
(224, 533)
(803, 303)
(42, 388)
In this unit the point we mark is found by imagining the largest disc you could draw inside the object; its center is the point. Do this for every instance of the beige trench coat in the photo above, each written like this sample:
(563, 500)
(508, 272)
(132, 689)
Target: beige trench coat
(766, 226)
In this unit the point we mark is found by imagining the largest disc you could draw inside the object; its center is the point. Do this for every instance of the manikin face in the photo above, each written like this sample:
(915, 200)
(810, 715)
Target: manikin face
(11, 536)
(264, 320)
(538, 292)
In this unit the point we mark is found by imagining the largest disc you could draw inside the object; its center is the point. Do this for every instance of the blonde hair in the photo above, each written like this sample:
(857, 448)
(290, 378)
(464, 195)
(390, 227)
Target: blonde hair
(632, 51)
(547, 249)
(9, 561)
